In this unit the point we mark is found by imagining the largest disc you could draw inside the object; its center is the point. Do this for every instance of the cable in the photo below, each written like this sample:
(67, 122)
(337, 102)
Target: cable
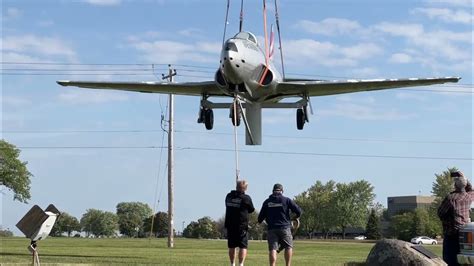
(159, 173)
(258, 152)
(223, 133)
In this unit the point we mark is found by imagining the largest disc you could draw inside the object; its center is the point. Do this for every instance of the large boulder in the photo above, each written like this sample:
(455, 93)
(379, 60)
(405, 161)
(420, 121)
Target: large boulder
(397, 253)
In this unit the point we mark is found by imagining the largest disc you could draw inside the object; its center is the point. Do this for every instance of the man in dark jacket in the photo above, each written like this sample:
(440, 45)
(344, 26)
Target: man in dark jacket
(454, 214)
(276, 212)
(238, 206)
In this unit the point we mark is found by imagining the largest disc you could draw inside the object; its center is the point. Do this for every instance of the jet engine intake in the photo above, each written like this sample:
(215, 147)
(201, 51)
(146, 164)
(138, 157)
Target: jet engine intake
(265, 76)
(220, 80)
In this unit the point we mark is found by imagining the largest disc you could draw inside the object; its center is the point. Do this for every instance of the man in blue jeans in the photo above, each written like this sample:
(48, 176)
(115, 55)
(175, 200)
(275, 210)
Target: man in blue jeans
(276, 212)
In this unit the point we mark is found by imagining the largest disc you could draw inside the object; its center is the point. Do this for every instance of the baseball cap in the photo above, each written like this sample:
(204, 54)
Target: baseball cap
(277, 187)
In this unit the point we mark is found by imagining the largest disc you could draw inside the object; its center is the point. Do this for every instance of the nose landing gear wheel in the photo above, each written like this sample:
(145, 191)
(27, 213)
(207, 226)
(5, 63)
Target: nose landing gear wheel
(300, 119)
(209, 119)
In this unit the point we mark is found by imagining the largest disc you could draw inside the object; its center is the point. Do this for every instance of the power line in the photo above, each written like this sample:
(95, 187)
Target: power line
(258, 152)
(104, 64)
(152, 65)
(228, 134)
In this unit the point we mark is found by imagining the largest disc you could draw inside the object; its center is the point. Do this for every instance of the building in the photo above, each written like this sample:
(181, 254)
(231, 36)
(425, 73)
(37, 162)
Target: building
(397, 205)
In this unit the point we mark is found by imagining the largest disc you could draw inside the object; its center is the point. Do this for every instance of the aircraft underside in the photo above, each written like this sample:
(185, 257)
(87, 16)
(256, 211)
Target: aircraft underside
(250, 112)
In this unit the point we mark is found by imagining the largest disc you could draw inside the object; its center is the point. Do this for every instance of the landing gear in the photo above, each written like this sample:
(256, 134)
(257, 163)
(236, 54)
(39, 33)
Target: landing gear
(206, 116)
(209, 119)
(301, 117)
(235, 122)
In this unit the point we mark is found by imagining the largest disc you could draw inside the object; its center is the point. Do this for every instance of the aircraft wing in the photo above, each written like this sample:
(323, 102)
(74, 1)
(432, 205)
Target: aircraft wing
(329, 87)
(186, 88)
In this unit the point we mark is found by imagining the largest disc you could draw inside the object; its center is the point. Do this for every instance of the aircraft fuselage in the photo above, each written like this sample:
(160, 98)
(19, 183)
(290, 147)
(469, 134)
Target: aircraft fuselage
(243, 63)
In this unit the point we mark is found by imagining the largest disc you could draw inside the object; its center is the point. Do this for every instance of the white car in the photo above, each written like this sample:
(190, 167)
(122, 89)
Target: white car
(423, 240)
(360, 238)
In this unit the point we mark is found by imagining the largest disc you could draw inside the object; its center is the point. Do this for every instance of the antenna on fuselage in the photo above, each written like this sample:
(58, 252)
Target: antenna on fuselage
(279, 38)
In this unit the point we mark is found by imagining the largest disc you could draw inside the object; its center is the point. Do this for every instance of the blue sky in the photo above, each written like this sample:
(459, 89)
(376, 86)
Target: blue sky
(321, 39)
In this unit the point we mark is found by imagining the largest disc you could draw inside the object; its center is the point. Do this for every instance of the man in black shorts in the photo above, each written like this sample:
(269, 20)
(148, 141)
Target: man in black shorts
(238, 206)
(276, 212)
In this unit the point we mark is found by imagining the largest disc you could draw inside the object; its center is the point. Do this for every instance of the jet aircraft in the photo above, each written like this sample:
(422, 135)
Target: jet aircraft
(247, 74)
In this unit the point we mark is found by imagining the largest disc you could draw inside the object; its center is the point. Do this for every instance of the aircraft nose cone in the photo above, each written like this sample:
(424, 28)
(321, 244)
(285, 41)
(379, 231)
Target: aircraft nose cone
(230, 67)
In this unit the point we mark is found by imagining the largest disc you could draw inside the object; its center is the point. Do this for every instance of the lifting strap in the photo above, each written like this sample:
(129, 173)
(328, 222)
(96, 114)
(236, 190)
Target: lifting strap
(234, 107)
(241, 15)
(277, 18)
(266, 42)
(225, 23)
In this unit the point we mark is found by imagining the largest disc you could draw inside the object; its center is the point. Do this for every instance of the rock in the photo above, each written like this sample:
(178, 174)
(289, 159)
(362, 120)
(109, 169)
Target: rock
(396, 252)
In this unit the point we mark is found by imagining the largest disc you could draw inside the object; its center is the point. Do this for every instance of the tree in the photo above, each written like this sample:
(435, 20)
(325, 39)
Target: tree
(443, 185)
(99, 223)
(372, 230)
(13, 173)
(416, 223)
(401, 226)
(160, 224)
(131, 216)
(351, 202)
(65, 224)
(5, 232)
(220, 226)
(203, 228)
(256, 230)
(318, 212)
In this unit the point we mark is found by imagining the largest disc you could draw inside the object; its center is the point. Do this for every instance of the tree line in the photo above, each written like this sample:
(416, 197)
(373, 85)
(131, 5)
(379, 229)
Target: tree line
(328, 208)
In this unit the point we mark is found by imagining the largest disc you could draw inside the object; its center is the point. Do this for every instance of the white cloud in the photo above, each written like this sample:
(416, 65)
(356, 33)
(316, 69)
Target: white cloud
(400, 29)
(46, 46)
(91, 97)
(191, 32)
(11, 13)
(329, 26)
(307, 51)
(173, 52)
(361, 51)
(365, 72)
(446, 15)
(19, 58)
(400, 58)
(103, 2)
(435, 44)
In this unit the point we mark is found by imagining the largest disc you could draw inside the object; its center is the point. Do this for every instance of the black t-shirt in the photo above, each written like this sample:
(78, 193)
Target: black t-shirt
(238, 206)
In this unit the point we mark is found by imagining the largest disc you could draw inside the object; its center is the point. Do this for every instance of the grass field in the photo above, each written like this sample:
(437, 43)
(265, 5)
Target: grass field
(186, 252)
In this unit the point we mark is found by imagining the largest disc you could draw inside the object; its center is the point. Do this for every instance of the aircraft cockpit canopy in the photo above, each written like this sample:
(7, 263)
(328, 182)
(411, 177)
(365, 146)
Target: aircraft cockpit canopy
(246, 36)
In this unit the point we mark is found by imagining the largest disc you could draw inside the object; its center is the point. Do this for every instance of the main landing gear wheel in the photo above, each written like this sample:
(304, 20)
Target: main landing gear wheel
(208, 118)
(300, 118)
(235, 122)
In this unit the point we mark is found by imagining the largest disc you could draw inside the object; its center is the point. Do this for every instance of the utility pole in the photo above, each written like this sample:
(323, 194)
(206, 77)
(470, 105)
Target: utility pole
(169, 77)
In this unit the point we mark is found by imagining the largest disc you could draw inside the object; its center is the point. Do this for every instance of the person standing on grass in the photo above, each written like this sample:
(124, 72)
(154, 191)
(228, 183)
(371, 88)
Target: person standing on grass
(454, 214)
(276, 212)
(238, 206)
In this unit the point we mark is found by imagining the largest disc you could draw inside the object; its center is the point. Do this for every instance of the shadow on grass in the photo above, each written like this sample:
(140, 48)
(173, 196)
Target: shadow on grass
(353, 263)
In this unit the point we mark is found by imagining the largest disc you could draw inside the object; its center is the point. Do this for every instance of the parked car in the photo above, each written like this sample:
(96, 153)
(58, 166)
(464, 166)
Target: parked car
(360, 237)
(424, 240)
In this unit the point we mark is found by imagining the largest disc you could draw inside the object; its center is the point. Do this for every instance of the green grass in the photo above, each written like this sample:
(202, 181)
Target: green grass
(186, 252)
